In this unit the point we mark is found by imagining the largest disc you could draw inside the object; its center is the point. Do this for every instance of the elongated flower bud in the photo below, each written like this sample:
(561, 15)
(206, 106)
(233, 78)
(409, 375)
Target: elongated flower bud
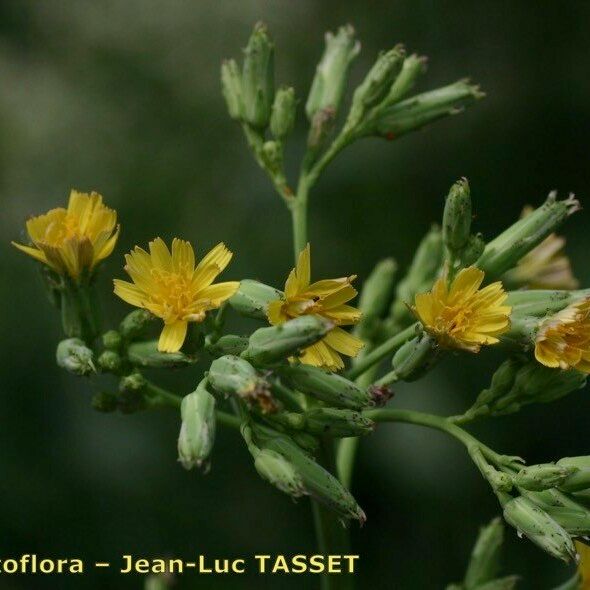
(231, 88)
(232, 375)
(331, 74)
(75, 357)
(415, 358)
(197, 432)
(579, 479)
(540, 302)
(318, 483)
(503, 252)
(228, 344)
(376, 85)
(542, 477)
(456, 226)
(485, 557)
(328, 421)
(516, 384)
(252, 299)
(273, 467)
(135, 324)
(282, 118)
(413, 66)
(258, 78)
(271, 345)
(533, 522)
(329, 387)
(375, 297)
(422, 109)
(146, 354)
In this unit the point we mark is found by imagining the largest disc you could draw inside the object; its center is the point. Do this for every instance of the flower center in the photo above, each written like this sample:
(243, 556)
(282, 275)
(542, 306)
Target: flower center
(173, 292)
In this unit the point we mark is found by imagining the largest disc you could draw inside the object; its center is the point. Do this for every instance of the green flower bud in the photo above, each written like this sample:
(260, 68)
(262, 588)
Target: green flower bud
(507, 583)
(328, 421)
(272, 154)
(504, 251)
(542, 477)
(104, 401)
(375, 297)
(275, 469)
(135, 324)
(518, 383)
(252, 299)
(231, 88)
(579, 479)
(415, 358)
(318, 483)
(540, 303)
(197, 432)
(328, 387)
(110, 361)
(112, 340)
(228, 344)
(231, 375)
(533, 522)
(331, 74)
(413, 66)
(75, 357)
(146, 354)
(420, 110)
(131, 390)
(271, 345)
(485, 557)
(320, 128)
(456, 226)
(500, 481)
(282, 118)
(376, 85)
(421, 275)
(258, 78)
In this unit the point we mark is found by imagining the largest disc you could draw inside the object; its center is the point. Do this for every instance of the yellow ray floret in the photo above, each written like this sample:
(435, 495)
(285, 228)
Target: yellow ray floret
(583, 564)
(563, 340)
(173, 288)
(74, 239)
(326, 298)
(461, 315)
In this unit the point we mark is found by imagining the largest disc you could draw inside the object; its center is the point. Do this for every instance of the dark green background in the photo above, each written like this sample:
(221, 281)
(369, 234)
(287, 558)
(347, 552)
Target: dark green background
(123, 97)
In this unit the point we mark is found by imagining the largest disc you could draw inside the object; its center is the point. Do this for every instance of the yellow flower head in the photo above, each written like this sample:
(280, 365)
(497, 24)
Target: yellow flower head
(544, 267)
(74, 239)
(170, 286)
(324, 298)
(563, 340)
(461, 315)
(584, 564)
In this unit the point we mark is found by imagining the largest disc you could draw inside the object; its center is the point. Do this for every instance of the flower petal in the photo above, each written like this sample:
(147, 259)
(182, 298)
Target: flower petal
(129, 292)
(218, 293)
(172, 336)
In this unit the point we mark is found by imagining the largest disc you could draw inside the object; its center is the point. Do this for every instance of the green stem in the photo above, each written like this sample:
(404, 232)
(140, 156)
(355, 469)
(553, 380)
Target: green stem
(332, 537)
(436, 422)
(380, 352)
(298, 207)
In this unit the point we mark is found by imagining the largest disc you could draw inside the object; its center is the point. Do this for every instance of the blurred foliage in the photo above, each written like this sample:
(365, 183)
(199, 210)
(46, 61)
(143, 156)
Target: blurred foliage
(123, 98)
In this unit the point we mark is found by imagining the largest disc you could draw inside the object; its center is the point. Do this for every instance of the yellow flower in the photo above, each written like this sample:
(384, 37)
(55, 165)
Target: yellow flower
(170, 286)
(74, 239)
(326, 298)
(461, 315)
(544, 267)
(563, 340)
(583, 565)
